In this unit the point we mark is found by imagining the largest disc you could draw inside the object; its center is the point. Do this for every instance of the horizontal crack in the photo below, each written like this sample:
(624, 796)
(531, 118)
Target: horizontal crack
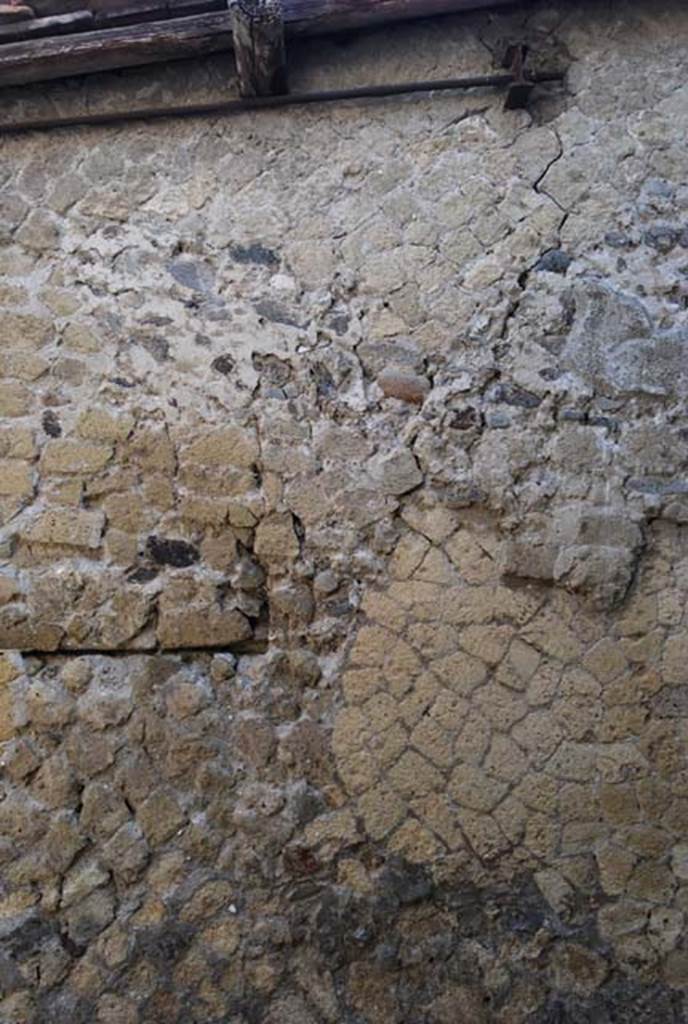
(248, 647)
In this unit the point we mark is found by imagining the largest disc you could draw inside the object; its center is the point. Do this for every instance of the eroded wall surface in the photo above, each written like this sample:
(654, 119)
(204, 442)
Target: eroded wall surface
(343, 551)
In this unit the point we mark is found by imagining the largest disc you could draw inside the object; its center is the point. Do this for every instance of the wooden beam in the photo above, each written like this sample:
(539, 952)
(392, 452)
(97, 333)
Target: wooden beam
(197, 36)
(55, 25)
(320, 17)
(15, 12)
(47, 8)
(115, 11)
(133, 12)
(103, 50)
(259, 51)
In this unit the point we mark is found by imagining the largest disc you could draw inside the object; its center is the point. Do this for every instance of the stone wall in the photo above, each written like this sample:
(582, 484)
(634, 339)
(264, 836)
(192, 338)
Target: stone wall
(343, 551)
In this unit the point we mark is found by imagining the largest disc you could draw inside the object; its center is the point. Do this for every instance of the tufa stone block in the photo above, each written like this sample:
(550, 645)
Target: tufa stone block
(72, 527)
(395, 472)
(65, 456)
(201, 627)
(24, 330)
(103, 425)
(16, 478)
(15, 399)
(276, 541)
(228, 446)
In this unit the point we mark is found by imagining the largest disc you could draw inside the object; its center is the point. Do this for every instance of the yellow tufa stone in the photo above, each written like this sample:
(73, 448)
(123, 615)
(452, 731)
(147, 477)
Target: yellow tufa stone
(72, 527)
(203, 511)
(605, 661)
(473, 563)
(24, 331)
(222, 936)
(180, 627)
(615, 866)
(408, 555)
(360, 684)
(471, 787)
(11, 667)
(415, 843)
(414, 776)
(276, 542)
(60, 301)
(80, 338)
(382, 809)
(379, 608)
(26, 366)
(17, 441)
(226, 446)
(440, 815)
(7, 726)
(489, 643)
(15, 399)
(66, 456)
(104, 425)
(16, 479)
(577, 969)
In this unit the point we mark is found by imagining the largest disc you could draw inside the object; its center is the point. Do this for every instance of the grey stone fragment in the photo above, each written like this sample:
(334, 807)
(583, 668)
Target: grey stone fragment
(588, 550)
(395, 472)
(528, 560)
(11, 979)
(255, 253)
(126, 854)
(156, 346)
(103, 705)
(192, 274)
(87, 919)
(615, 348)
(223, 667)
(276, 312)
(650, 485)
(401, 354)
(497, 420)
(326, 582)
(662, 237)
(672, 701)
(556, 261)
(295, 600)
(572, 415)
(102, 810)
(511, 394)
(18, 759)
(160, 816)
(85, 876)
(223, 364)
(618, 240)
(603, 573)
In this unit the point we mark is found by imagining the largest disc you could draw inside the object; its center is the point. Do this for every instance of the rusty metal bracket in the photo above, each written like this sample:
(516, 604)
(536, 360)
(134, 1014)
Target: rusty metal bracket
(522, 84)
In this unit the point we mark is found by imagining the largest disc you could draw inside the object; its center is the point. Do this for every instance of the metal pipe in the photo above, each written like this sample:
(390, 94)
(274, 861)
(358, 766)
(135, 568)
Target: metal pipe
(239, 106)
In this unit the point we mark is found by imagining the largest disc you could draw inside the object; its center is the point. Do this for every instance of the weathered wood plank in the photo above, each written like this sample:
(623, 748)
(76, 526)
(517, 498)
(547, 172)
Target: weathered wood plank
(305, 15)
(103, 50)
(132, 45)
(56, 25)
(319, 17)
(15, 12)
(134, 12)
(259, 51)
(47, 8)
(114, 9)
